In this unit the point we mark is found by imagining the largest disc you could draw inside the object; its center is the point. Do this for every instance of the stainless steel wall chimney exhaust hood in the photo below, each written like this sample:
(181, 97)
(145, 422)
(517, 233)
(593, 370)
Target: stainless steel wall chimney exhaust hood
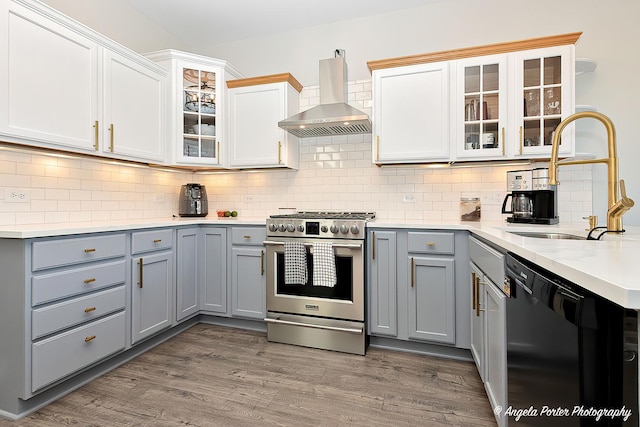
(333, 116)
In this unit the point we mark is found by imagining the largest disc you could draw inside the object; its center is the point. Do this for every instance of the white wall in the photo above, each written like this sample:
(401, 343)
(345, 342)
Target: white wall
(610, 37)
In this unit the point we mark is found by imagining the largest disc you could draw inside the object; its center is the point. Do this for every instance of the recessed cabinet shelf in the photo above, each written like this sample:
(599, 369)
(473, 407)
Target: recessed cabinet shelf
(585, 65)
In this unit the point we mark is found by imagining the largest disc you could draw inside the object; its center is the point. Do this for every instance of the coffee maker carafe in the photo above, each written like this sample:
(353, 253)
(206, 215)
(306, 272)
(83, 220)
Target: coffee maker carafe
(532, 201)
(193, 200)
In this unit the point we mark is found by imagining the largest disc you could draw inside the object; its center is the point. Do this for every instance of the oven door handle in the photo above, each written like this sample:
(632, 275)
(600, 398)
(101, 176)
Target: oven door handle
(357, 331)
(335, 245)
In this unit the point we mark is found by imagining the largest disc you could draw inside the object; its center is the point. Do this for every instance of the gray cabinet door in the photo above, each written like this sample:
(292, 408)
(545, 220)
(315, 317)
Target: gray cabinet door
(431, 299)
(248, 282)
(383, 318)
(495, 381)
(212, 256)
(477, 319)
(187, 274)
(151, 299)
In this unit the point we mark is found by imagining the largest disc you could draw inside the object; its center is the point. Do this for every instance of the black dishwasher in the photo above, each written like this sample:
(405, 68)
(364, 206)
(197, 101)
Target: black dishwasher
(565, 351)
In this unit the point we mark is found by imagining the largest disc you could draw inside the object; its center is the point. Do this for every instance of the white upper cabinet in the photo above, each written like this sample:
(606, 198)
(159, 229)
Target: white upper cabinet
(196, 113)
(411, 113)
(256, 105)
(69, 88)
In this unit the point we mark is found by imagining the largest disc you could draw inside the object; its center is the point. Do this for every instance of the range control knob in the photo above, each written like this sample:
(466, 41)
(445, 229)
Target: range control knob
(301, 228)
(291, 228)
(344, 229)
(273, 227)
(324, 228)
(334, 229)
(355, 229)
(282, 227)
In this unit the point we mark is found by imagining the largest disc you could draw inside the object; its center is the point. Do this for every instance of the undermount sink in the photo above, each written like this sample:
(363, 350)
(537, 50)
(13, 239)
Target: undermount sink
(547, 235)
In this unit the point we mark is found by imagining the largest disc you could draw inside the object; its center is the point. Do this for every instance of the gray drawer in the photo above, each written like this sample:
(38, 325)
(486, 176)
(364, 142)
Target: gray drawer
(431, 243)
(154, 240)
(56, 317)
(63, 252)
(488, 259)
(64, 284)
(248, 235)
(56, 357)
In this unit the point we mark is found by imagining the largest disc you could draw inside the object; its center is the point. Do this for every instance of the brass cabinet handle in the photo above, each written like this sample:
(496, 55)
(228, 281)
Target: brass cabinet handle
(111, 137)
(87, 281)
(140, 265)
(89, 250)
(96, 143)
(521, 141)
(431, 244)
(89, 338)
(157, 240)
(503, 142)
(473, 291)
(89, 309)
(377, 148)
(373, 245)
(279, 152)
(262, 263)
(218, 152)
(247, 236)
(478, 309)
(413, 264)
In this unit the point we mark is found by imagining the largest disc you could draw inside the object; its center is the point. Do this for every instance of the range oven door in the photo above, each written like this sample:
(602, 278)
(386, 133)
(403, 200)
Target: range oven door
(344, 301)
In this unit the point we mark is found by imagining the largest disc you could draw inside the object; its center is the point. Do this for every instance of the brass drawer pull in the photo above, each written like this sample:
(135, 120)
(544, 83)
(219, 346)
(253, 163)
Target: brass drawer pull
(473, 291)
(111, 137)
(89, 338)
(413, 265)
(373, 245)
(89, 250)
(431, 244)
(96, 144)
(157, 240)
(247, 237)
(279, 152)
(89, 309)
(87, 281)
(140, 270)
(262, 263)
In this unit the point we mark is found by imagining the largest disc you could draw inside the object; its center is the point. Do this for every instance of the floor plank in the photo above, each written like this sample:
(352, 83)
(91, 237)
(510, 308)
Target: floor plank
(217, 376)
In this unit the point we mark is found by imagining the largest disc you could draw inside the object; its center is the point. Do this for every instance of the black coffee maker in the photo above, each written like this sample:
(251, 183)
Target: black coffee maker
(532, 201)
(193, 200)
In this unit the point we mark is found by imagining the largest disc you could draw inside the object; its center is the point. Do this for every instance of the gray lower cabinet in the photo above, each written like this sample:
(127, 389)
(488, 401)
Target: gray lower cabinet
(152, 282)
(212, 270)
(414, 286)
(187, 273)
(477, 346)
(248, 280)
(382, 292)
(496, 348)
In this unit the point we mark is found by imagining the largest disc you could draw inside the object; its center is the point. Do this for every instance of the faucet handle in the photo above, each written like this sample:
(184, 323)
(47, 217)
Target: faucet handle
(593, 222)
(623, 192)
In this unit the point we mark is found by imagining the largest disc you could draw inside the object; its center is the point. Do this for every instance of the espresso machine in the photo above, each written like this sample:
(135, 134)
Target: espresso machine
(532, 200)
(193, 200)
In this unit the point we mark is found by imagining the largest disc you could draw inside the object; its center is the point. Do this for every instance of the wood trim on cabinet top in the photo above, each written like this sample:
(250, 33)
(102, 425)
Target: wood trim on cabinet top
(468, 52)
(273, 78)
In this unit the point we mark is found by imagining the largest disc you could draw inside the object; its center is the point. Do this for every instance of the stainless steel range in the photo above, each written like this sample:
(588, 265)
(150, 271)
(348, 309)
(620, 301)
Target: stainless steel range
(315, 280)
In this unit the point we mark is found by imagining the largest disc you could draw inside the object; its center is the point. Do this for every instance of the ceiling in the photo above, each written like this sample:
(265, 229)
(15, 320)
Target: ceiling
(199, 22)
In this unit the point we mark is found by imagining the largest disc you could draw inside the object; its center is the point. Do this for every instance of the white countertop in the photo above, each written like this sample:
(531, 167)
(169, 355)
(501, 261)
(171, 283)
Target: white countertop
(609, 267)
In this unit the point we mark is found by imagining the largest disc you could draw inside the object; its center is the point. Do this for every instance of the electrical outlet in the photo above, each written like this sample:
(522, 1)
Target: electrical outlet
(409, 198)
(158, 198)
(248, 199)
(16, 195)
(493, 198)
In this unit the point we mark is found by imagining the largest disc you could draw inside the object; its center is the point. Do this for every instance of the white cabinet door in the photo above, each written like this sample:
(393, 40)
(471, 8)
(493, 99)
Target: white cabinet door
(481, 112)
(544, 96)
(212, 256)
(431, 299)
(411, 113)
(151, 299)
(134, 109)
(254, 138)
(187, 273)
(248, 282)
(48, 83)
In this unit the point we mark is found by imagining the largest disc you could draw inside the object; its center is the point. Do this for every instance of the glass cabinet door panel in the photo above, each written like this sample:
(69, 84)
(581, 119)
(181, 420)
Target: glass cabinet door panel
(472, 79)
(550, 126)
(472, 136)
(191, 147)
(552, 70)
(531, 136)
(490, 77)
(208, 148)
(531, 72)
(199, 113)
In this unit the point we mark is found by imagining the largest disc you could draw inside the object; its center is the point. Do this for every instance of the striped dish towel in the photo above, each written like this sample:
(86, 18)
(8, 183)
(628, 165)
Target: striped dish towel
(295, 263)
(324, 265)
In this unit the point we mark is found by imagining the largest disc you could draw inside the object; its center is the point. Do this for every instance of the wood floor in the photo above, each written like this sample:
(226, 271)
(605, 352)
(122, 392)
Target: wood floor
(217, 376)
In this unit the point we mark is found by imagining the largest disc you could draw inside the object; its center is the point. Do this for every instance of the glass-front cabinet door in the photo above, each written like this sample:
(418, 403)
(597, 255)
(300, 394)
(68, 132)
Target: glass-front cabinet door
(482, 107)
(545, 96)
(199, 94)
